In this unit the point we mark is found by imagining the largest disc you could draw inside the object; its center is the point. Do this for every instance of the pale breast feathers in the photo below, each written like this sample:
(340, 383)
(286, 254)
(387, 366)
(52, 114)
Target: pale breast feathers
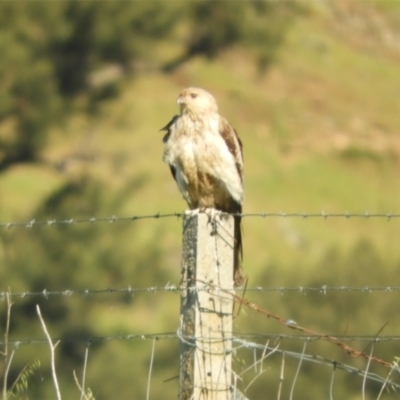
(208, 148)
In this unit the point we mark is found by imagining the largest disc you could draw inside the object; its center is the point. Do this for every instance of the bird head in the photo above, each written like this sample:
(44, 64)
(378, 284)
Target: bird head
(196, 101)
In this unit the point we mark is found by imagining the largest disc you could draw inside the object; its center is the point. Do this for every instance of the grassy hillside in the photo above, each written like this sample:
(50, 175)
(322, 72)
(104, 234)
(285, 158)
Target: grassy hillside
(321, 133)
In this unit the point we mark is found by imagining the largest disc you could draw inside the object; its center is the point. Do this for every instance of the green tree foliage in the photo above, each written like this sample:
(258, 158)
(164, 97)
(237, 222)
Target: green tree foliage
(215, 26)
(96, 33)
(50, 52)
(28, 89)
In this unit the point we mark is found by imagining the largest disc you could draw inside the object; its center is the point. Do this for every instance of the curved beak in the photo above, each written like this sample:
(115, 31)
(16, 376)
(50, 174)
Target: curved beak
(181, 100)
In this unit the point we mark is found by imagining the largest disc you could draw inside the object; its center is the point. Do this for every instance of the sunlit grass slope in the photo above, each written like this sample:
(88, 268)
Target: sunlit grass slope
(320, 132)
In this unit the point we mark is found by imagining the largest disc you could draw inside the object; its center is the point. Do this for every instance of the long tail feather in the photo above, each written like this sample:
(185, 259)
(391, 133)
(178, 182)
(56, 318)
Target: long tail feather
(238, 273)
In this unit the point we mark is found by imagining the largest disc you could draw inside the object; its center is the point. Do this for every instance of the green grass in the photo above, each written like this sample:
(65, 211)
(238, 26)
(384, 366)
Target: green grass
(291, 121)
(24, 188)
(288, 121)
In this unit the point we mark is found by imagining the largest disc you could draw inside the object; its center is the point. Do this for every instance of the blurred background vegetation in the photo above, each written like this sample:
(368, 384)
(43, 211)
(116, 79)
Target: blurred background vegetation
(311, 87)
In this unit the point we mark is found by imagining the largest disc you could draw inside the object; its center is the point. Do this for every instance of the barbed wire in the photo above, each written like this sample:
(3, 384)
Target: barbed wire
(235, 336)
(317, 359)
(91, 220)
(239, 342)
(324, 290)
(93, 339)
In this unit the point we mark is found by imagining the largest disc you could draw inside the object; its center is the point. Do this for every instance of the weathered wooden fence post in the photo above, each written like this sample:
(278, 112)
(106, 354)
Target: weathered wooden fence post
(206, 310)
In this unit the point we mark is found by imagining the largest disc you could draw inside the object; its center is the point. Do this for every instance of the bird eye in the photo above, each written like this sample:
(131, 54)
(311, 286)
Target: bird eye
(193, 95)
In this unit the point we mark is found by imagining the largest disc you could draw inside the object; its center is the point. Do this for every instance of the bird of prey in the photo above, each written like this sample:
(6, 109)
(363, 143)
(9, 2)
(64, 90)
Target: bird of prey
(205, 156)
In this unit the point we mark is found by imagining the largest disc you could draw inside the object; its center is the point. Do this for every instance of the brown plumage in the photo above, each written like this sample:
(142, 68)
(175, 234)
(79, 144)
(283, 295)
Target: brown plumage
(205, 156)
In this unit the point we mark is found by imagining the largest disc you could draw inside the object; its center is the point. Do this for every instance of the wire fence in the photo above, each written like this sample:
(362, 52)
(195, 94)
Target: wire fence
(92, 220)
(174, 335)
(262, 356)
(263, 361)
(323, 290)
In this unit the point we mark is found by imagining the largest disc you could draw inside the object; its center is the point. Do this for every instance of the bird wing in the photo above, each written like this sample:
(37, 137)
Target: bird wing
(233, 143)
(168, 128)
(235, 146)
(166, 137)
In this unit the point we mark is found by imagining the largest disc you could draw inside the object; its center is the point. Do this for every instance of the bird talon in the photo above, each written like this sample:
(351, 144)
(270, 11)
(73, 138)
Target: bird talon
(192, 213)
(213, 215)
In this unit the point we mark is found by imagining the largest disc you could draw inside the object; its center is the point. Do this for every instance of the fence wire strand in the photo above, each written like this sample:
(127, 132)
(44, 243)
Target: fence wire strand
(323, 290)
(91, 220)
(319, 360)
(174, 335)
(240, 343)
